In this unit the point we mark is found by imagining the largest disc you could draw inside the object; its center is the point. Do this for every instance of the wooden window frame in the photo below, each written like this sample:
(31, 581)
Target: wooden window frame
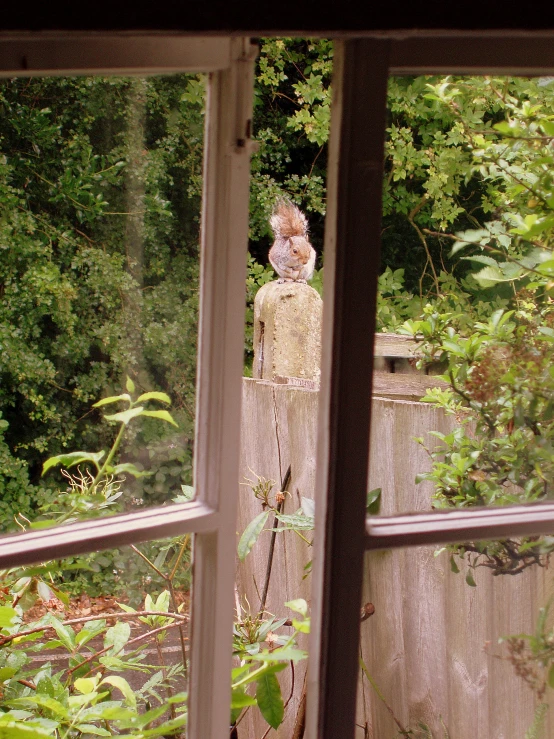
(362, 67)
(352, 245)
(224, 238)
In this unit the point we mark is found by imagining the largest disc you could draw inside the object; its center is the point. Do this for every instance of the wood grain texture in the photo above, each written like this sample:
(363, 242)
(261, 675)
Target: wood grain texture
(432, 644)
(279, 426)
(396, 345)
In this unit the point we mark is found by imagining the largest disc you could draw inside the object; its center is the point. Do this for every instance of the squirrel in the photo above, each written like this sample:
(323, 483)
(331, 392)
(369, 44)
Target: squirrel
(291, 256)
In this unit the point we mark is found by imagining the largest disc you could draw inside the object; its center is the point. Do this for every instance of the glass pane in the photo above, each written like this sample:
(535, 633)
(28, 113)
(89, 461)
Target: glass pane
(448, 654)
(98, 644)
(101, 192)
(465, 306)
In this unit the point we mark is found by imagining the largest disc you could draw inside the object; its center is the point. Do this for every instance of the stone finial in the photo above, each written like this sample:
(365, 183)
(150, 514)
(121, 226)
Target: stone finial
(287, 331)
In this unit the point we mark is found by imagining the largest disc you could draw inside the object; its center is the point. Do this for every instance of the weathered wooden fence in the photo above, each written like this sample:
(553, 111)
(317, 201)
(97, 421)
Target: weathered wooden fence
(431, 646)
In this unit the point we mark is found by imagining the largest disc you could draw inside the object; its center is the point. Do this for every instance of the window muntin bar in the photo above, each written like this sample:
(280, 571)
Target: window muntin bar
(459, 526)
(87, 536)
(216, 465)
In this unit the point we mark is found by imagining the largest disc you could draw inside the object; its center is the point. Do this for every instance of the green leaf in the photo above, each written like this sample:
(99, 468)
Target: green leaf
(43, 701)
(16, 730)
(453, 348)
(270, 700)
(7, 614)
(298, 605)
(546, 331)
(121, 684)
(490, 276)
(295, 521)
(130, 468)
(187, 493)
(481, 259)
(162, 602)
(44, 591)
(239, 699)
(547, 127)
(126, 416)
(86, 685)
(112, 399)
(129, 385)
(373, 502)
(117, 636)
(165, 729)
(71, 459)
(251, 533)
(162, 415)
(453, 566)
(162, 397)
(91, 729)
(546, 267)
(65, 634)
(302, 626)
(470, 580)
(505, 128)
(253, 676)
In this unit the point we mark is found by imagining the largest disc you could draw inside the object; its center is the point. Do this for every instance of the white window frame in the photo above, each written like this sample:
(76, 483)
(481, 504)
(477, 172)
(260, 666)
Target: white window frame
(224, 240)
(362, 66)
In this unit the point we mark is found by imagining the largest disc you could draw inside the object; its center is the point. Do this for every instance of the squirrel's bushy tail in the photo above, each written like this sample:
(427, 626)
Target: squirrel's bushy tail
(287, 220)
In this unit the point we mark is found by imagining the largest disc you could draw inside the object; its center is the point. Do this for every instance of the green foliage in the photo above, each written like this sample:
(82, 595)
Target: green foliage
(291, 123)
(78, 701)
(96, 488)
(497, 356)
(15, 488)
(89, 169)
(85, 698)
(259, 664)
(536, 730)
(500, 389)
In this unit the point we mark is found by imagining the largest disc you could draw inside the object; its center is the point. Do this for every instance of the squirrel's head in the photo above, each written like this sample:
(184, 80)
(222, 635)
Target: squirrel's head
(299, 250)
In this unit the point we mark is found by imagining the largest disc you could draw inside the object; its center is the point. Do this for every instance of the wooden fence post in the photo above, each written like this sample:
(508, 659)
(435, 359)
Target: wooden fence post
(279, 428)
(287, 331)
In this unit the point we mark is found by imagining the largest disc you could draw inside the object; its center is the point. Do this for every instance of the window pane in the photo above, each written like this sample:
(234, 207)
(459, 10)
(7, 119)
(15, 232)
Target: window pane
(101, 189)
(465, 305)
(98, 643)
(447, 653)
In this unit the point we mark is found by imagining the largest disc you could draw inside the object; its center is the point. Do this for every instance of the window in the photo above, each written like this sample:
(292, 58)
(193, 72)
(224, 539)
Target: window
(352, 247)
(211, 516)
(352, 237)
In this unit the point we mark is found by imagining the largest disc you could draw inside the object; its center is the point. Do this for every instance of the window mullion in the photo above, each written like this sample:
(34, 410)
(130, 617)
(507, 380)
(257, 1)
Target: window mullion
(352, 237)
(222, 306)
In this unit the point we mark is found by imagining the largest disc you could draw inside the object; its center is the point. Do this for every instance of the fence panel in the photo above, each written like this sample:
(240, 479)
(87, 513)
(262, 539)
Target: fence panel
(431, 646)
